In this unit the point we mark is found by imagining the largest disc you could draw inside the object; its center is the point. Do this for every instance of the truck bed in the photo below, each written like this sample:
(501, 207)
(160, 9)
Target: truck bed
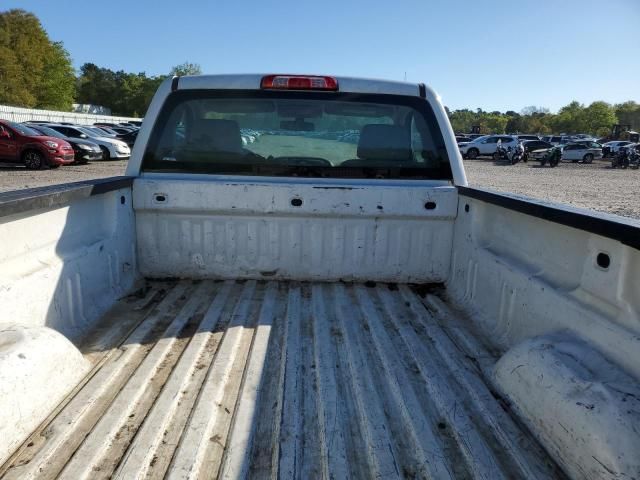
(228, 379)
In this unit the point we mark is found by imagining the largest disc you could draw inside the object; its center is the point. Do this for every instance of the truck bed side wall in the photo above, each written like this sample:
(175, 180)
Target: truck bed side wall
(68, 254)
(525, 275)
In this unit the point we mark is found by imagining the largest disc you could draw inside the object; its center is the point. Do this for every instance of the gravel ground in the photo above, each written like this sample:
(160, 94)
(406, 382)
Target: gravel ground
(17, 177)
(594, 186)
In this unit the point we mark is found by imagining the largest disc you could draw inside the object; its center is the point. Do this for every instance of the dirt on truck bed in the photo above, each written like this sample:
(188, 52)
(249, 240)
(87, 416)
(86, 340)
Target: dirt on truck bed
(229, 379)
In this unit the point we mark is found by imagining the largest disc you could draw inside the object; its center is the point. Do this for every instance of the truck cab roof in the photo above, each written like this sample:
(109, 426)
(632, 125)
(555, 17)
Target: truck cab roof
(253, 82)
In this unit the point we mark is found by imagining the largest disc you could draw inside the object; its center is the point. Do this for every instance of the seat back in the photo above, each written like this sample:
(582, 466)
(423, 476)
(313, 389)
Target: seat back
(217, 135)
(385, 142)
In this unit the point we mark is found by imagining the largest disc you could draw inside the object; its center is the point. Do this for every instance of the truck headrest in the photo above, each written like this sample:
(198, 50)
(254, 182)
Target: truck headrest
(218, 135)
(384, 142)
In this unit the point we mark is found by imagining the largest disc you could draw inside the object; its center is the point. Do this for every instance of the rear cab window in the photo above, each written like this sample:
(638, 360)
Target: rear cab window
(301, 134)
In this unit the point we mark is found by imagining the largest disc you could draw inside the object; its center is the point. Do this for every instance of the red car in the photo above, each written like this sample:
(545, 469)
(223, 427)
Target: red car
(21, 144)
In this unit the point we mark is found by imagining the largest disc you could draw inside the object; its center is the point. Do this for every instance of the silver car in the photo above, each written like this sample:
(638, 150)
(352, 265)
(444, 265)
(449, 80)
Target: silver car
(582, 152)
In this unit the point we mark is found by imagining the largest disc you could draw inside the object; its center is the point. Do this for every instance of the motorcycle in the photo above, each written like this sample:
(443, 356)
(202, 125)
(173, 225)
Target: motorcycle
(552, 157)
(510, 154)
(620, 159)
(500, 153)
(634, 158)
(517, 154)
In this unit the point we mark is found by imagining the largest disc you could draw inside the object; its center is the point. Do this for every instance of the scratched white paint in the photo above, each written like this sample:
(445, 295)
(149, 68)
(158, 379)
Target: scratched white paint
(580, 405)
(522, 279)
(220, 229)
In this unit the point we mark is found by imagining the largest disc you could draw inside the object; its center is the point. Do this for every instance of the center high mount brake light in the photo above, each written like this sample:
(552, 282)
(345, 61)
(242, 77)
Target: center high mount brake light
(299, 82)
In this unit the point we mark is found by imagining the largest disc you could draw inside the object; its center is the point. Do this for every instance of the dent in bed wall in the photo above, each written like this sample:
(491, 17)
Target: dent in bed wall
(521, 276)
(64, 268)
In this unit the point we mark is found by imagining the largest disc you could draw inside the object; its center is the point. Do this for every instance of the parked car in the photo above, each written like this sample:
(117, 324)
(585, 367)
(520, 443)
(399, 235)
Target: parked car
(121, 130)
(135, 123)
(105, 131)
(584, 137)
(84, 150)
(129, 138)
(522, 138)
(486, 145)
(462, 139)
(557, 139)
(611, 148)
(111, 147)
(21, 144)
(105, 124)
(540, 154)
(582, 152)
(531, 145)
(475, 135)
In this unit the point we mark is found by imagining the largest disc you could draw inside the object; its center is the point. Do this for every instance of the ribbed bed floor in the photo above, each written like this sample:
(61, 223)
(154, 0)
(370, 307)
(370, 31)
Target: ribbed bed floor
(282, 380)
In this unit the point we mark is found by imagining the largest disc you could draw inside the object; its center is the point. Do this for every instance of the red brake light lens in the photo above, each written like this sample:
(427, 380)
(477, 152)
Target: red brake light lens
(299, 82)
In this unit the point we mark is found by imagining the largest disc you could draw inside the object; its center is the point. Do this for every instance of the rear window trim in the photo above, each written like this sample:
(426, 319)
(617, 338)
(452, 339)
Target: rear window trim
(419, 104)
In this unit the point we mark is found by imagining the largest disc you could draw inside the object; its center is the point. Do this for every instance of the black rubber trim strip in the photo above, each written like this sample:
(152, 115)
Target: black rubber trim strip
(422, 90)
(621, 229)
(174, 83)
(56, 196)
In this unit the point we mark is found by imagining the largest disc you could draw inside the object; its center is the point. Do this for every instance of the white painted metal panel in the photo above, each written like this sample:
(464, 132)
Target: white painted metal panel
(522, 276)
(251, 81)
(38, 368)
(220, 229)
(63, 268)
(584, 408)
(285, 380)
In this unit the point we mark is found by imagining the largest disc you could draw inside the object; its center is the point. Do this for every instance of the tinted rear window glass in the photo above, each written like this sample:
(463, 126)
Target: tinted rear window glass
(312, 134)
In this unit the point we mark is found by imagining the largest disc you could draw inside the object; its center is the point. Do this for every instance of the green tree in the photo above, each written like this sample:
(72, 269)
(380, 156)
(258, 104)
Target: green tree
(570, 119)
(186, 68)
(628, 113)
(462, 120)
(493, 123)
(96, 86)
(57, 89)
(598, 118)
(34, 71)
(126, 94)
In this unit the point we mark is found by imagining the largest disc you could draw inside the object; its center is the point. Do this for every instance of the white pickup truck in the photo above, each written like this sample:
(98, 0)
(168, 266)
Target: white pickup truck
(294, 281)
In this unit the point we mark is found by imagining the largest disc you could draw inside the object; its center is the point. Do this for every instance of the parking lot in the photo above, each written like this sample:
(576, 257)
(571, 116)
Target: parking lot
(594, 186)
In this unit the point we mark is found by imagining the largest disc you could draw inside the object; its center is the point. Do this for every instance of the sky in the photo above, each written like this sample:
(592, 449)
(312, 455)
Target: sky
(489, 54)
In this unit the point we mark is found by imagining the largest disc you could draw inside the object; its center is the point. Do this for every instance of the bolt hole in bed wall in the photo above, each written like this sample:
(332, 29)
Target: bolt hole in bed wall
(296, 202)
(430, 205)
(603, 260)
(122, 200)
